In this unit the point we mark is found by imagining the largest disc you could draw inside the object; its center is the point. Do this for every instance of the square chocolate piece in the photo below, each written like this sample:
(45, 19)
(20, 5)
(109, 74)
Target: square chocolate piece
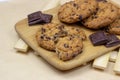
(113, 40)
(47, 18)
(34, 16)
(98, 38)
(39, 17)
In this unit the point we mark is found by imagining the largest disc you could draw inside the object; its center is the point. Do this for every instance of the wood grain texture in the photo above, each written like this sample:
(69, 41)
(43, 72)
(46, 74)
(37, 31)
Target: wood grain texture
(28, 33)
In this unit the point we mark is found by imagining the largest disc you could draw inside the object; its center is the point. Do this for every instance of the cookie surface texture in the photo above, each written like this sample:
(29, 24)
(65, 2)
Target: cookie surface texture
(75, 31)
(69, 47)
(77, 10)
(48, 35)
(105, 15)
(114, 28)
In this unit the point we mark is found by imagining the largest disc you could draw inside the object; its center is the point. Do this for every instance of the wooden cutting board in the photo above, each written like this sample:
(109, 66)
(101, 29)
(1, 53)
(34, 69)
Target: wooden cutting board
(90, 52)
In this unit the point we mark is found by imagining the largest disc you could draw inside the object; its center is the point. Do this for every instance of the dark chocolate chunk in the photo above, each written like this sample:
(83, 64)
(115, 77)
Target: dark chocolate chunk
(42, 37)
(74, 5)
(102, 0)
(46, 18)
(80, 17)
(66, 46)
(39, 17)
(98, 38)
(43, 30)
(35, 22)
(113, 40)
(34, 16)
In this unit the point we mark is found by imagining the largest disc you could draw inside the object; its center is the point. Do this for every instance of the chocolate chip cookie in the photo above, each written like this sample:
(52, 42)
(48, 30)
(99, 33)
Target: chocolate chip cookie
(114, 28)
(69, 47)
(76, 32)
(49, 34)
(77, 10)
(105, 15)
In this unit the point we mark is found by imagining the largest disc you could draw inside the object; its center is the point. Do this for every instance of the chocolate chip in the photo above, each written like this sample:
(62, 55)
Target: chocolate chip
(66, 46)
(80, 17)
(70, 38)
(72, 14)
(98, 38)
(42, 37)
(97, 9)
(77, 30)
(48, 38)
(54, 37)
(73, 55)
(112, 10)
(85, 1)
(117, 26)
(113, 40)
(74, 5)
(61, 27)
(43, 30)
(101, 0)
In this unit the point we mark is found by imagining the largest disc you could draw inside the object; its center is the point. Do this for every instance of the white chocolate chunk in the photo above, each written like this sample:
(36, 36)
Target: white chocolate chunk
(64, 1)
(117, 64)
(102, 61)
(21, 46)
(52, 4)
(113, 56)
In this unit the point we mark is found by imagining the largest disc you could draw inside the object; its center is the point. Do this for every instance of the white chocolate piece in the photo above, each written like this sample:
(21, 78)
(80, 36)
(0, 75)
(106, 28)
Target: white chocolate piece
(64, 1)
(21, 46)
(53, 3)
(113, 56)
(101, 62)
(117, 64)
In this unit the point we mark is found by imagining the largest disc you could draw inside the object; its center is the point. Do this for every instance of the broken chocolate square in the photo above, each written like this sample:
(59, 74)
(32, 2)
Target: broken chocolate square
(47, 18)
(113, 40)
(39, 17)
(34, 16)
(98, 38)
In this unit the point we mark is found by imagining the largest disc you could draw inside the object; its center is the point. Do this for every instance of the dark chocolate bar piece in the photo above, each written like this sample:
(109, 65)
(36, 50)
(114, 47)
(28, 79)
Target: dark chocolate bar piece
(113, 40)
(98, 38)
(47, 18)
(39, 17)
(34, 16)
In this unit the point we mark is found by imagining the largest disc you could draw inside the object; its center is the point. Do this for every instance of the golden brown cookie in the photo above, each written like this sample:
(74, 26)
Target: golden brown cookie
(77, 10)
(114, 28)
(76, 32)
(105, 15)
(69, 47)
(49, 34)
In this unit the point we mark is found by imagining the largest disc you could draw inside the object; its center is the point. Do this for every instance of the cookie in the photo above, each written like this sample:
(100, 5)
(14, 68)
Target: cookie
(105, 15)
(49, 34)
(69, 47)
(75, 31)
(114, 28)
(77, 10)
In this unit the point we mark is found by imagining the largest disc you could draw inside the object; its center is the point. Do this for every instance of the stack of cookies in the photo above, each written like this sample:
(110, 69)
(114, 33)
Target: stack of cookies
(93, 14)
(67, 41)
